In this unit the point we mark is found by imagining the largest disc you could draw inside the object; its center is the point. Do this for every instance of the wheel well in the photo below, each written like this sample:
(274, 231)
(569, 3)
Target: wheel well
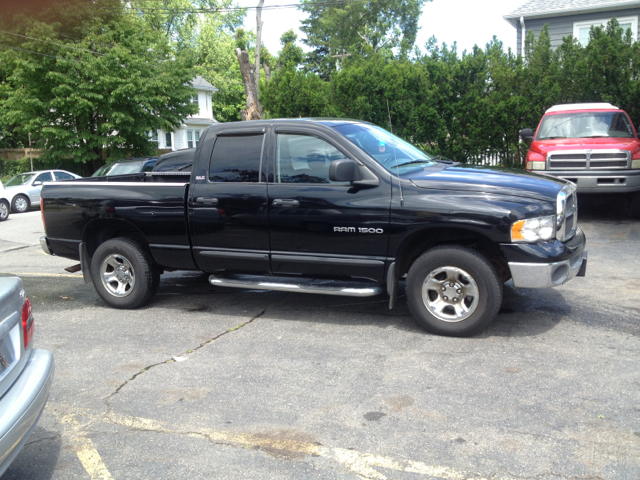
(99, 231)
(423, 240)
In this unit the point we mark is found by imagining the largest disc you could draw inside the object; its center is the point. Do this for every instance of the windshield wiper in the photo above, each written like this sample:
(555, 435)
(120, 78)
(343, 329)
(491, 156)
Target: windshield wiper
(413, 162)
(551, 138)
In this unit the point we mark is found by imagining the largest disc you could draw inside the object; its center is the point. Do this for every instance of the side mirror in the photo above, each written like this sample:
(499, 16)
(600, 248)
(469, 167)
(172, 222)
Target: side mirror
(35, 184)
(344, 170)
(526, 134)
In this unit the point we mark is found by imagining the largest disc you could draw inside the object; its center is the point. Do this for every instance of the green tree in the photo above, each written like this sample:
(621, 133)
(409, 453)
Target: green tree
(99, 96)
(358, 28)
(294, 93)
(291, 54)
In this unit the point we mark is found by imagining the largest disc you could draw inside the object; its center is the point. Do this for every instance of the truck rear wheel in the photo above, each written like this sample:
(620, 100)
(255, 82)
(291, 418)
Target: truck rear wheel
(454, 291)
(124, 273)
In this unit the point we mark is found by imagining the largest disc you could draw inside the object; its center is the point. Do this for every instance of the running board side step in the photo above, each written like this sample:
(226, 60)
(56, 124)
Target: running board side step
(322, 287)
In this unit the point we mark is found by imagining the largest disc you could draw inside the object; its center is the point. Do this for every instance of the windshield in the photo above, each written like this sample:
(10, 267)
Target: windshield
(19, 179)
(387, 149)
(119, 169)
(585, 125)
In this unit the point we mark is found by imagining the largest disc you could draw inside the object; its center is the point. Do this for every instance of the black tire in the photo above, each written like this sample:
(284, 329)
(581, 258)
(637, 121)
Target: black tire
(20, 204)
(469, 275)
(4, 210)
(634, 211)
(136, 279)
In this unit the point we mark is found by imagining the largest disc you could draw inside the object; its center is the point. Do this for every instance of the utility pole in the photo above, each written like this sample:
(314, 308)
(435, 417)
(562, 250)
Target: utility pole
(30, 153)
(342, 56)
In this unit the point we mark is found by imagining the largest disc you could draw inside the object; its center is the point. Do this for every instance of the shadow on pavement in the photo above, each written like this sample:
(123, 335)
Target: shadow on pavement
(38, 458)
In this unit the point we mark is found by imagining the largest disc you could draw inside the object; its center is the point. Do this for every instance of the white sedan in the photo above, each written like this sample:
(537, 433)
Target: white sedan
(23, 190)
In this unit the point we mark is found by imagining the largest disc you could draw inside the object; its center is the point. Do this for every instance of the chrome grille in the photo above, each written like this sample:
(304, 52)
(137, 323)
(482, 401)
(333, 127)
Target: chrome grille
(567, 161)
(568, 215)
(589, 160)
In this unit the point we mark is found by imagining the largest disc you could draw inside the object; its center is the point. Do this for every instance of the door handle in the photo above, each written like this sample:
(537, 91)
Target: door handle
(278, 202)
(207, 200)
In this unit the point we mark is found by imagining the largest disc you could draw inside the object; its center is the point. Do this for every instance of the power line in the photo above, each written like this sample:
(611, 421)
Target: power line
(52, 43)
(135, 9)
(43, 54)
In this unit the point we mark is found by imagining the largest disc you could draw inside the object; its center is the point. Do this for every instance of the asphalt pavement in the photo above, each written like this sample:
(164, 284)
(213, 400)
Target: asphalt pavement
(207, 382)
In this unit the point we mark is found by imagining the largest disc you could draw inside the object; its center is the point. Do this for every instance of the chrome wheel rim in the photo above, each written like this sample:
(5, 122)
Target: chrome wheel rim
(117, 275)
(21, 204)
(450, 294)
(4, 210)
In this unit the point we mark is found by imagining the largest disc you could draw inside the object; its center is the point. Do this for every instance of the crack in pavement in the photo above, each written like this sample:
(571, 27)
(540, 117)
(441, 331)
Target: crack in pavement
(186, 352)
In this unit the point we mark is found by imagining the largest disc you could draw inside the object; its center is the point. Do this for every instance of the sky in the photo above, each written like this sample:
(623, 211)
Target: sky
(467, 22)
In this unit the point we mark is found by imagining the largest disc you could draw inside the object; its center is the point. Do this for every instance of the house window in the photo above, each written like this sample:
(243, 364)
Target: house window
(167, 139)
(194, 99)
(193, 137)
(581, 29)
(153, 136)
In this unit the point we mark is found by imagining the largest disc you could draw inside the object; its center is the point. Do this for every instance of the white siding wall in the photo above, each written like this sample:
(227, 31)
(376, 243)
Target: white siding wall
(560, 27)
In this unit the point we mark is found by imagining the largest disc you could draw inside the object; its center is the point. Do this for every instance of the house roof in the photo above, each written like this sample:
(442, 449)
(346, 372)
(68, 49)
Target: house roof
(555, 8)
(201, 84)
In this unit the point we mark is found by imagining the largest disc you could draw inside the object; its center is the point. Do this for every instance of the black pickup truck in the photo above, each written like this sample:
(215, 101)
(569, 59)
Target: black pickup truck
(323, 206)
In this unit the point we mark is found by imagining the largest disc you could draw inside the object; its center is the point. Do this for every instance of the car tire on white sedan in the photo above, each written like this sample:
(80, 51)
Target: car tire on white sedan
(4, 210)
(20, 204)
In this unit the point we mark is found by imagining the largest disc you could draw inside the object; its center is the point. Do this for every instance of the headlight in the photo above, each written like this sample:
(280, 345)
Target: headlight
(534, 229)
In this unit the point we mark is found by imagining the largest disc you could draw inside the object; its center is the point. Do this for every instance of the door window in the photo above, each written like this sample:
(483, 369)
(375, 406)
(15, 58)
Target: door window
(304, 159)
(236, 159)
(43, 177)
(62, 176)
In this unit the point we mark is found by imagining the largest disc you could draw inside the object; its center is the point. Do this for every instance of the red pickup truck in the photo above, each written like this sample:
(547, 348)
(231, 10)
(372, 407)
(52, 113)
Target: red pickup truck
(593, 145)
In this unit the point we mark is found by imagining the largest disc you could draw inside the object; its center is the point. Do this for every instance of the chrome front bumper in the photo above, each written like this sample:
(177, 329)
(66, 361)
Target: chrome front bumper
(545, 275)
(593, 181)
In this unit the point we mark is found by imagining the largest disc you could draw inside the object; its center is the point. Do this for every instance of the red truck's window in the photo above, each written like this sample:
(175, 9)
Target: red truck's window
(585, 125)
(236, 159)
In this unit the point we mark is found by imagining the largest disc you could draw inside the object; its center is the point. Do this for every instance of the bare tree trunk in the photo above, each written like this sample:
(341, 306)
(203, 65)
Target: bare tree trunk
(258, 46)
(267, 71)
(250, 88)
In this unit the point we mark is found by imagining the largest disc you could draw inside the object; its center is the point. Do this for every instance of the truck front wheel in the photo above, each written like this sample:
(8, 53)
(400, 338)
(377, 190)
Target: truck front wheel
(124, 273)
(454, 291)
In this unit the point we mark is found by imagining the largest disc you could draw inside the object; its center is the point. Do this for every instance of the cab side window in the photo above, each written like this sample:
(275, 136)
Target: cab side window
(236, 159)
(304, 159)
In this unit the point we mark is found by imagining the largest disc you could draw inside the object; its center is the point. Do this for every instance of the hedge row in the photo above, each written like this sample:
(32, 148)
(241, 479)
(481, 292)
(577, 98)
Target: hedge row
(472, 106)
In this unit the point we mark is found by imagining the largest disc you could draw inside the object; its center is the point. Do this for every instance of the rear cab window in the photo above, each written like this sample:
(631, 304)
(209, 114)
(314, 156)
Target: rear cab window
(237, 158)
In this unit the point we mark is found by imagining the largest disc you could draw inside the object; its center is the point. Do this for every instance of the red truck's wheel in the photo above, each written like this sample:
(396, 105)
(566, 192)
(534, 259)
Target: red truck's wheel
(453, 290)
(124, 273)
(634, 211)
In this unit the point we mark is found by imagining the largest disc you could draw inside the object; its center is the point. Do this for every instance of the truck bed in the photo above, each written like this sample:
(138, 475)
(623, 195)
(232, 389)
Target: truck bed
(153, 203)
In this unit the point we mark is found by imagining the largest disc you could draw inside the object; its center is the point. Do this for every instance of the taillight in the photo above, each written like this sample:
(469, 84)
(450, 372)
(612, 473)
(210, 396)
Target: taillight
(535, 161)
(44, 225)
(27, 322)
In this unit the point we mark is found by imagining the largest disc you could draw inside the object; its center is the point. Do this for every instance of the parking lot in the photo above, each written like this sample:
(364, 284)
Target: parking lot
(207, 382)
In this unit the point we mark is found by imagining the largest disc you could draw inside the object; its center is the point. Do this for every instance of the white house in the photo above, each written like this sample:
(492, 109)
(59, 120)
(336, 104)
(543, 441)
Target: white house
(188, 135)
